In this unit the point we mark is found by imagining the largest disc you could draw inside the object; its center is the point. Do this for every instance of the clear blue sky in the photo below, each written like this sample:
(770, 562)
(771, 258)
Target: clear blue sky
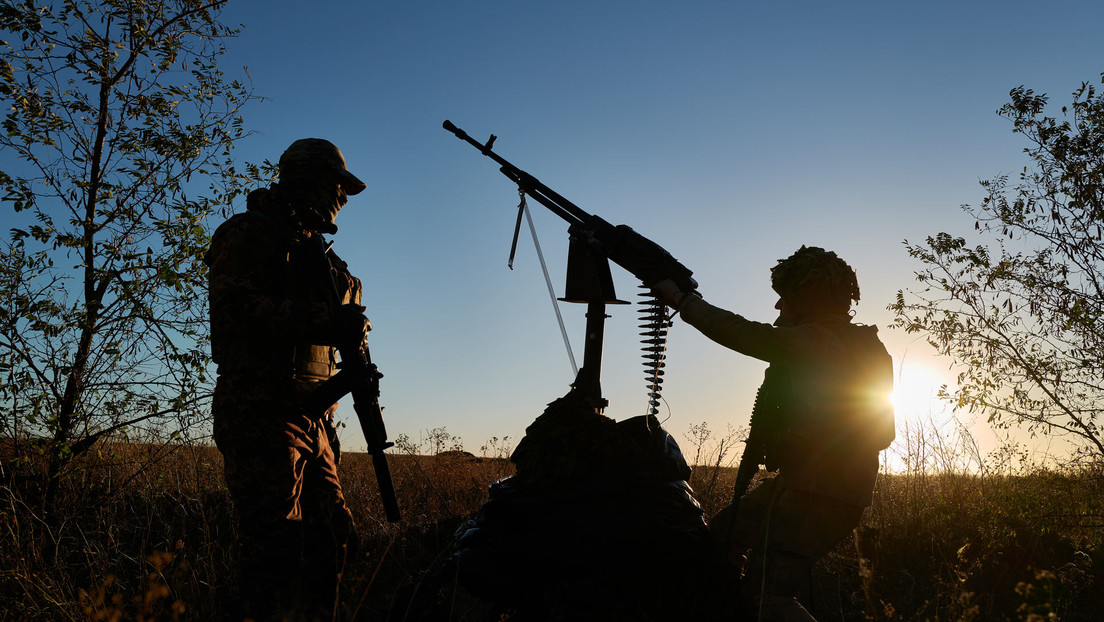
(729, 132)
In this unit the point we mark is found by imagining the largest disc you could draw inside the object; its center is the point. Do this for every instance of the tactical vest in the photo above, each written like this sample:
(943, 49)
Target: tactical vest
(308, 280)
(823, 426)
(301, 276)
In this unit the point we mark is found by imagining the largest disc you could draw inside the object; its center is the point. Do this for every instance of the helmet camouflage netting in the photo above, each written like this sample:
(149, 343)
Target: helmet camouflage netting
(815, 280)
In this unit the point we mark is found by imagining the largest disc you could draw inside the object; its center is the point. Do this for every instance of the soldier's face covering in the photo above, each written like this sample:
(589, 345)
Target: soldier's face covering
(317, 204)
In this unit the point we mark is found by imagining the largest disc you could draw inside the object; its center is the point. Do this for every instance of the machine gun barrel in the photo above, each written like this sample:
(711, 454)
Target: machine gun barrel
(532, 186)
(645, 259)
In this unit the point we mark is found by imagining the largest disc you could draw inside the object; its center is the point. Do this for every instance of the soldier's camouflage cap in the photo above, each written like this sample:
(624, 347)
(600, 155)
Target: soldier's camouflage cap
(309, 153)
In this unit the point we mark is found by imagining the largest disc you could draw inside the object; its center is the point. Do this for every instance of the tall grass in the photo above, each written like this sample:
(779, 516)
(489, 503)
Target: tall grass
(145, 532)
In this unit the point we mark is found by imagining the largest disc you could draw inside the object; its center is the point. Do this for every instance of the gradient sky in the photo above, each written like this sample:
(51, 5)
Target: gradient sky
(729, 132)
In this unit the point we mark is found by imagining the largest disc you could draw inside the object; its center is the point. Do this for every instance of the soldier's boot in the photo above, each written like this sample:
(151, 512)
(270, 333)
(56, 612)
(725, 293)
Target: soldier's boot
(267, 570)
(328, 549)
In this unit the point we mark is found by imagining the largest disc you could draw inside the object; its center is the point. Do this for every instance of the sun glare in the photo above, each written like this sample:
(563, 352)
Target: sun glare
(915, 392)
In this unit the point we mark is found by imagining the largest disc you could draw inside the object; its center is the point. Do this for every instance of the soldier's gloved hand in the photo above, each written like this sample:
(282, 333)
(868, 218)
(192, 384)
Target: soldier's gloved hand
(669, 291)
(352, 324)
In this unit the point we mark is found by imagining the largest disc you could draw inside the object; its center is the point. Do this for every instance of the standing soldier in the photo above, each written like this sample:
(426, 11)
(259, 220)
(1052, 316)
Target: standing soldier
(279, 302)
(823, 413)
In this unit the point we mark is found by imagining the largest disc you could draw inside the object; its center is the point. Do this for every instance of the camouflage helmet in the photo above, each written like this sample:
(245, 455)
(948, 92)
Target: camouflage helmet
(814, 280)
(307, 156)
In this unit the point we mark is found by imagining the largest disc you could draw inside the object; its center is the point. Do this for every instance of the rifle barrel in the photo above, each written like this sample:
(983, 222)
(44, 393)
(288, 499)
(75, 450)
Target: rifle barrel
(387, 489)
(532, 186)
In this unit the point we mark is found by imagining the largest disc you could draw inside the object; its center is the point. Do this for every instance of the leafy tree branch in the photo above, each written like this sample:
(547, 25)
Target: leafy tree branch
(1023, 312)
(122, 124)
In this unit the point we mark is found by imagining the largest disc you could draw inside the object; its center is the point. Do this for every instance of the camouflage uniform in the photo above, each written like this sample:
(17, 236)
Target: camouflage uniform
(273, 317)
(831, 381)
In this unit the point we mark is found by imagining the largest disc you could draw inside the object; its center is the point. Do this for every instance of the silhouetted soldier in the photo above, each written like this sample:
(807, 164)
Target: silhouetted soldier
(825, 407)
(274, 322)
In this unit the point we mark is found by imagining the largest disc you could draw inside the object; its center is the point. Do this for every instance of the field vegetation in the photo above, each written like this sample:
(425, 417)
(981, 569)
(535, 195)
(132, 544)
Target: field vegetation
(145, 532)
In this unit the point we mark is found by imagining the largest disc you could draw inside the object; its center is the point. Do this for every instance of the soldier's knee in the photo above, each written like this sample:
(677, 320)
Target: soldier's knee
(345, 532)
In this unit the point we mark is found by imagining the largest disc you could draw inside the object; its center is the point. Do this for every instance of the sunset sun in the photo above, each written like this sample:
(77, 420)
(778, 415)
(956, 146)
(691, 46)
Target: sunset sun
(915, 392)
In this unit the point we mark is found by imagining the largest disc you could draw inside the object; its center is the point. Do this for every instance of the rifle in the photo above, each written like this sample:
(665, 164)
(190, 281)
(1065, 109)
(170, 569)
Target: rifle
(359, 376)
(767, 428)
(645, 259)
(366, 392)
(749, 465)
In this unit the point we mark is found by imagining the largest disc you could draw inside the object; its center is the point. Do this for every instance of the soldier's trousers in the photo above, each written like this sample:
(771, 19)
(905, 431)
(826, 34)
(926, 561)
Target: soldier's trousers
(787, 531)
(294, 528)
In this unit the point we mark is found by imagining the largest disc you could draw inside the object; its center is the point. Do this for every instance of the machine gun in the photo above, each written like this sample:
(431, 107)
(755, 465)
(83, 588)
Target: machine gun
(593, 241)
(360, 377)
(645, 259)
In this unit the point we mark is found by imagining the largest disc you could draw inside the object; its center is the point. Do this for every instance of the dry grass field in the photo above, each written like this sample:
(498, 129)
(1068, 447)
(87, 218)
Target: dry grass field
(146, 533)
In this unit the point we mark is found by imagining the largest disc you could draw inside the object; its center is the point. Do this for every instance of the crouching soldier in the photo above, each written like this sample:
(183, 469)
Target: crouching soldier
(823, 414)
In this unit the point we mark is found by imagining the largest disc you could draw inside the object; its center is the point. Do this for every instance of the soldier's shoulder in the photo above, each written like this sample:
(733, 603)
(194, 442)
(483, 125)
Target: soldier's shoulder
(236, 230)
(249, 234)
(249, 225)
(858, 332)
(865, 337)
(259, 213)
(242, 220)
(870, 330)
